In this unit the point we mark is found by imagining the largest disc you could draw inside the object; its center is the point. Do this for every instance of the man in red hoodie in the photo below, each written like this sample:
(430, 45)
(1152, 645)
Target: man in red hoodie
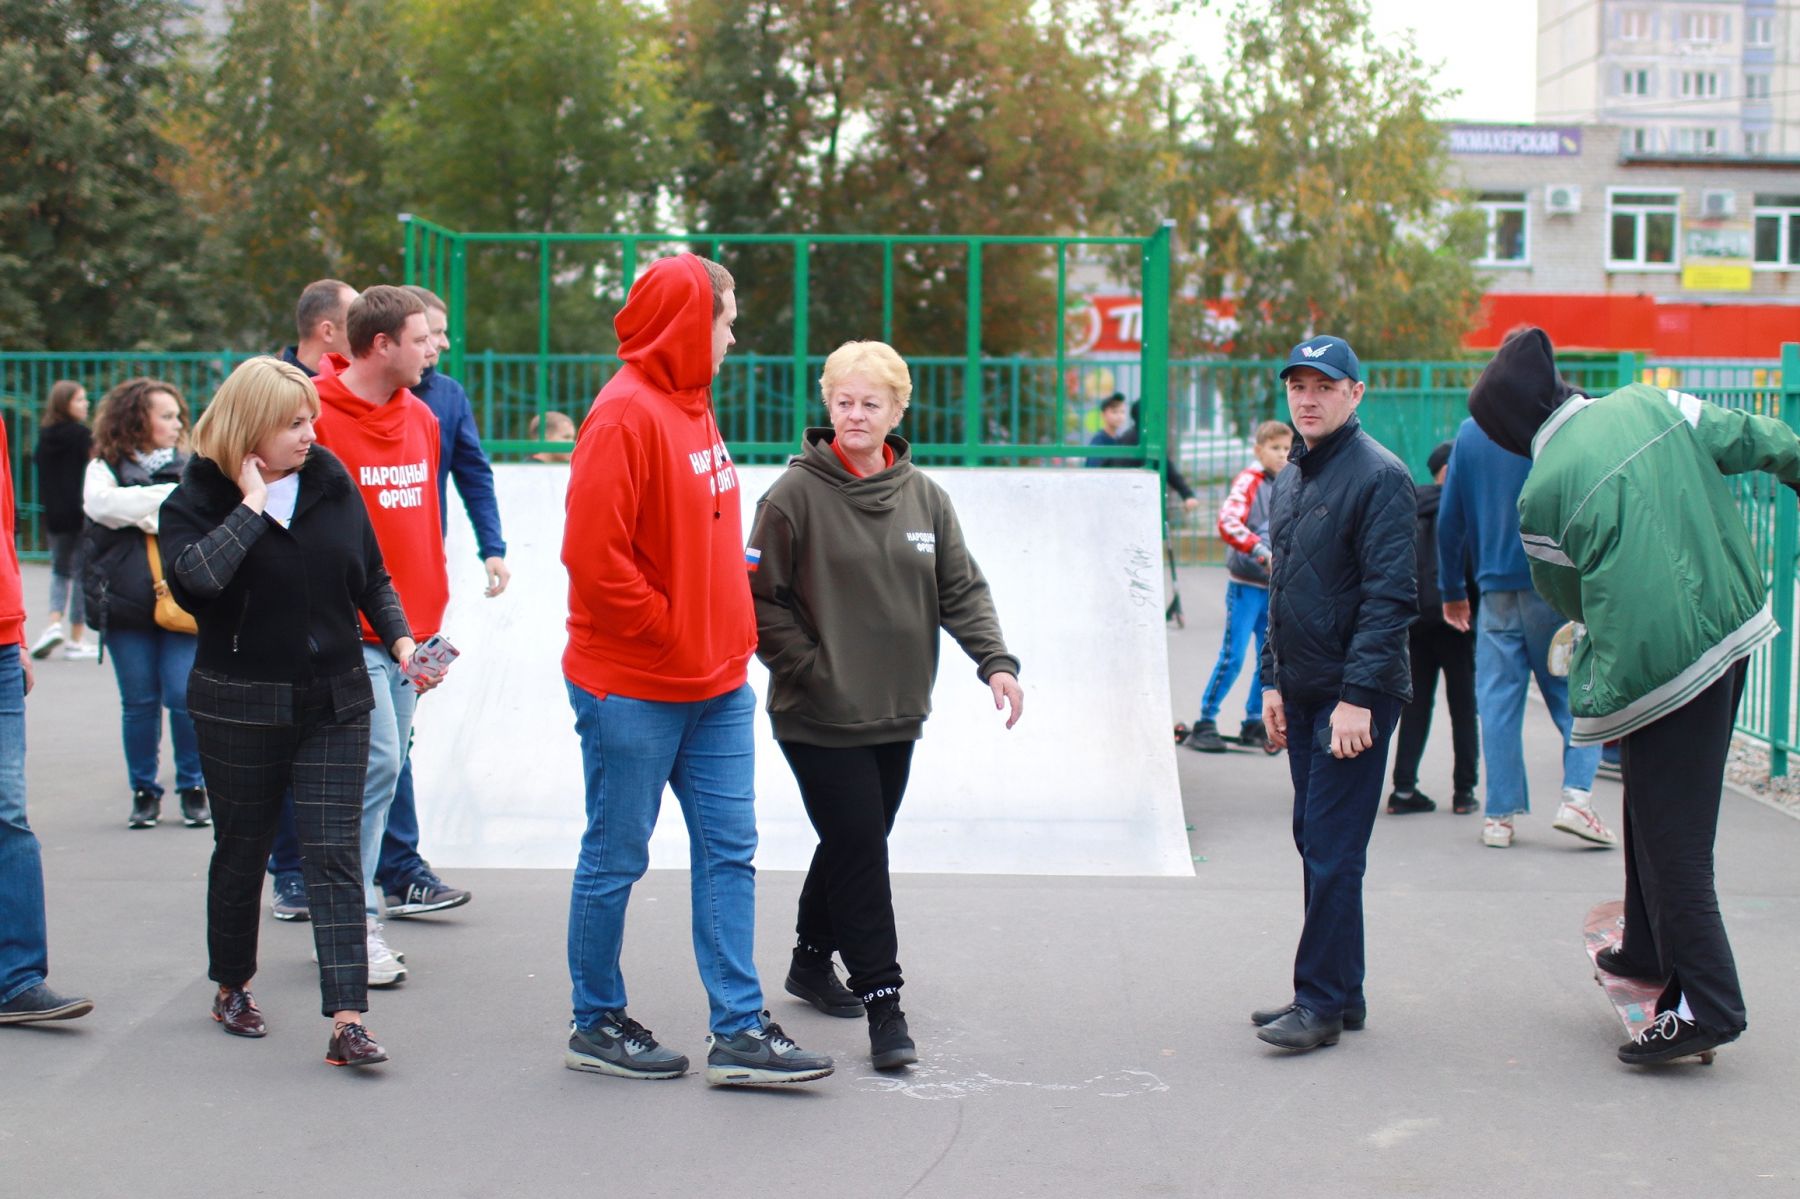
(661, 630)
(388, 439)
(24, 953)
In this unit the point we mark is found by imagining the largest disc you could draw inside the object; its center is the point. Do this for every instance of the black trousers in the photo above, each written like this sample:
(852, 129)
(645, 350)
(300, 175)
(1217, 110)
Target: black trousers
(846, 903)
(247, 768)
(1437, 648)
(1674, 770)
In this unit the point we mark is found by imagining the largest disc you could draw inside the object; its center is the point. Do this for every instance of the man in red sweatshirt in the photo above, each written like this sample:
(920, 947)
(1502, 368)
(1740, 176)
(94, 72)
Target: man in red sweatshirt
(661, 630)
(25, 998)
(388, 440)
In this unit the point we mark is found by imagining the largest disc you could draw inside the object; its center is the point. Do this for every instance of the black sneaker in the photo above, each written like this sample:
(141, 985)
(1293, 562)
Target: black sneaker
(890, 1044)
(194, 811)
(1412, 801)
(425, 892)
(290, 902)
(1254, 734)
(39, 1003)
(1205, 738)
(816, 981)
(1617, 964)
(1670, 1038)
(762, 1054)
(621, 1046)
(146, 808)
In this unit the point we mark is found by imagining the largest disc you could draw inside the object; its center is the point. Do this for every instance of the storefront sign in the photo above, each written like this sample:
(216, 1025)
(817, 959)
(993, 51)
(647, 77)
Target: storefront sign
(1716, 258)
(1532, 141)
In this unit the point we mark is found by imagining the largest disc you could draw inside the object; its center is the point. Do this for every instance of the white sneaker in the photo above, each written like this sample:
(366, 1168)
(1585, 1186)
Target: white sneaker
(384, 968)
(1576, 817)
(1497, 834)
(80, 651)
(47, 641)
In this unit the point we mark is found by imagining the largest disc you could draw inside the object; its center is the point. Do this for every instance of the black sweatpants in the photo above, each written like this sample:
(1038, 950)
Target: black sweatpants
(846, 903)
(1674, 772)
(1437, 647)
(247, 768)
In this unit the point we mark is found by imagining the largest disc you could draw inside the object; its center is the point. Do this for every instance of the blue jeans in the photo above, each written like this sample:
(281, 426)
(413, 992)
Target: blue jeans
(390, 728)
(152, 666)
(24, 946)
(631, 748)
(1513, 644)
(1335, 801)
(1246, 616)
(399, 861)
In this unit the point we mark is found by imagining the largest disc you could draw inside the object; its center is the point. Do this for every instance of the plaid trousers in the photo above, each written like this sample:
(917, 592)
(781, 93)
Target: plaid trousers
(324, 759)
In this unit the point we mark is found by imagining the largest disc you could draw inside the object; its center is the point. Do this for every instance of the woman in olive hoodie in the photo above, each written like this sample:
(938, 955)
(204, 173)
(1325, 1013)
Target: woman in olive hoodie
(856, 561)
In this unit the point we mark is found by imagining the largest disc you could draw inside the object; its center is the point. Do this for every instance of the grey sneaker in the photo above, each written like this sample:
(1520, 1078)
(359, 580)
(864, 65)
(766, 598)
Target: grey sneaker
(761, 1054)
(620, 1045)
(385, 967)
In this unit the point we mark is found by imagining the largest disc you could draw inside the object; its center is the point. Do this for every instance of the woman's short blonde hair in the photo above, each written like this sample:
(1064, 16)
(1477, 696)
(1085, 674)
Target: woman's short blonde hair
(875, 361)
(261, 397)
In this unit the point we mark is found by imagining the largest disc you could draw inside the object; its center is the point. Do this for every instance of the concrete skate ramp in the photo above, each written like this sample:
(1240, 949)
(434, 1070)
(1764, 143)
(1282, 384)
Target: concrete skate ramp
(1085, 783)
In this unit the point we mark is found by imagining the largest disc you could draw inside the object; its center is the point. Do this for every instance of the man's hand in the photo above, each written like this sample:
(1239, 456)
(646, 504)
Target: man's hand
(1192, 502)
(1352, 730)
(1456, 615)
(1275, 718)
(1006, 691)
(25, 664)
(497, 576)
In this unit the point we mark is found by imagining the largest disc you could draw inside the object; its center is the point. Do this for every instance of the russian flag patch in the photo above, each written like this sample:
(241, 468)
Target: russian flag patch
(752, 559)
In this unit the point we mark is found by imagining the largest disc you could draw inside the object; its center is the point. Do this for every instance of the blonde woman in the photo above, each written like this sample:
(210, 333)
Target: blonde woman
(267, 542)
(857, 561)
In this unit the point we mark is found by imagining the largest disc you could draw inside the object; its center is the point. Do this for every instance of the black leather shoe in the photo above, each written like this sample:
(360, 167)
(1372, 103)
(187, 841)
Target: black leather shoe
(1299, 1029)
(1617, 964)
(817, 983)
(1354, 1017)
(39, 1003)
(238, 1014)
(351, 1045)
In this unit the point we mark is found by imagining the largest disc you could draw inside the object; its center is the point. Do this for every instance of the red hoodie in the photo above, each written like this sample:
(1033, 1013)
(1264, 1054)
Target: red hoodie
(659, 601)
(391, 450)
(12, 590)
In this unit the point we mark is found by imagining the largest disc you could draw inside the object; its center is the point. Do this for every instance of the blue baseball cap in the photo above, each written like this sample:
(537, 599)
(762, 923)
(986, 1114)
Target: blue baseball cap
(1330, 356)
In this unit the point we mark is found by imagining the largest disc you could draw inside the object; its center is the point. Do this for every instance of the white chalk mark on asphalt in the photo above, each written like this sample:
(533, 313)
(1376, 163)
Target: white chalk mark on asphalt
(1402, 1130)
(949, 1081)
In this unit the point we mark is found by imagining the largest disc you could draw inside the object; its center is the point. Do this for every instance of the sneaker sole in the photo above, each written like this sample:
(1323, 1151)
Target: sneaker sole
(822, 1004)
(42, 651)
(67, 1011)
(760, 1076)
(893, 1059)
(1671, 1056)
(401, 911)
(207, 823)
(140, 824)
(291, 913)
(586, 1064)
(384, 980)
(1583, 833)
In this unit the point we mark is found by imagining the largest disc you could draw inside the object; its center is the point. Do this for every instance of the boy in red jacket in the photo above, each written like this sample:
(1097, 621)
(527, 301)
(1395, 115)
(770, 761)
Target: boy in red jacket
(388, 440)
(661, 630)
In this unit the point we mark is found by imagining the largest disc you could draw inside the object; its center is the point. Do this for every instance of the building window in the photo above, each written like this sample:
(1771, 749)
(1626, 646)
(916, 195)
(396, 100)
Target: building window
(1702, 27)
(1634, 25)
(1759, 31)
(1639, 141)
(1506, 228)
(1756, 145)
(1699, 85)
(1698, 140)
(1641, 229)
(1777, 232)
(1634, 81)
(1756, 85)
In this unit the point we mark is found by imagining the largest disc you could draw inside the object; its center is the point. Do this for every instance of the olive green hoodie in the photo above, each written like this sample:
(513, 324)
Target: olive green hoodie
(852, 578)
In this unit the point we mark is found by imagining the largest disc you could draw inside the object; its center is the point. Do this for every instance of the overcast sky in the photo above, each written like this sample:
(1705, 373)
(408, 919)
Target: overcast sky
(1488, 50)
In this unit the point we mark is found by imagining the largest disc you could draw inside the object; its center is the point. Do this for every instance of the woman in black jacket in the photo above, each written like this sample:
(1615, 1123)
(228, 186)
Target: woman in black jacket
(64, 445)
(266, 541)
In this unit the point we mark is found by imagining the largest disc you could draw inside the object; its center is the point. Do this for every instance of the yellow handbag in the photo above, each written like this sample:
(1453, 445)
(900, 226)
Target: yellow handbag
(169, 614)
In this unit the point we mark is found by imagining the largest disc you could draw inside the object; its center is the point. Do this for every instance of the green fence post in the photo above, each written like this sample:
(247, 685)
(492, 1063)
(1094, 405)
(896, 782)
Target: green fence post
(1062, 337)
(1781, 666)
(1154, 360)
(971, 438)
(802, 304)
(543, 363)
(459, 304)
(406, 223)
(887, 290)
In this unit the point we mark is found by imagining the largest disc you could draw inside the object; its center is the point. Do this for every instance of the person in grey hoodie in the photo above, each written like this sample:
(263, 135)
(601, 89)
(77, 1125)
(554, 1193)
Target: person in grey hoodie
(856, 560)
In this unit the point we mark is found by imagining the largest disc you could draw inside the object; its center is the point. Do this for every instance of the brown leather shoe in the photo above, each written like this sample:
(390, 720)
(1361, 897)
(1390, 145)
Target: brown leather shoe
(237, 1011)
(351, 1045)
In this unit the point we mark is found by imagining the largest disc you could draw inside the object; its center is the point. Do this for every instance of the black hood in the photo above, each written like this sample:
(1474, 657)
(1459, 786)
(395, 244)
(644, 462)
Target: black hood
(1518, 391)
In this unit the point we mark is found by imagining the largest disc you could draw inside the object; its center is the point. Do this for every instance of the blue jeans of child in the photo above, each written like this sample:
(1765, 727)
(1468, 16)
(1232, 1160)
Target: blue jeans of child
(1246, 618)
(24, 951)
(631, 749)
(1513, 645)
(152, 666)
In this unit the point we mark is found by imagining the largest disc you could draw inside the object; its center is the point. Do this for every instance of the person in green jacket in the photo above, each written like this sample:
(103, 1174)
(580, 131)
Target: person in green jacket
(1632, 531)
(856, 561)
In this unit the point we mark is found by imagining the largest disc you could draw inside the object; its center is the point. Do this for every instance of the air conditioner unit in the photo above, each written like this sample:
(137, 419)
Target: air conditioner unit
(1562, 199)
(1716, 205)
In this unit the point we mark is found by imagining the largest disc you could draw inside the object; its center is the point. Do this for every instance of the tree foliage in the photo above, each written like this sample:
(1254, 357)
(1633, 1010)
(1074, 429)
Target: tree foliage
(97, 247)
(1307, 181)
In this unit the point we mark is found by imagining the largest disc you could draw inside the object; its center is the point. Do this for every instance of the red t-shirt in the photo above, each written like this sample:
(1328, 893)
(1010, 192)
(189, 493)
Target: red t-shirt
(12, 588)
(887, 457)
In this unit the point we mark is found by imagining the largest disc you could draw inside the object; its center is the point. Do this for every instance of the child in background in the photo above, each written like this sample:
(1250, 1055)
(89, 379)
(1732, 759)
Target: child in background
(1244, 526)
(557, 427)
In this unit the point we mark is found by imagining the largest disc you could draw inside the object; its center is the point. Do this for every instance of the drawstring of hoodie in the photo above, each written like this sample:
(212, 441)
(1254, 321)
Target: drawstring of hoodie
(718, 445)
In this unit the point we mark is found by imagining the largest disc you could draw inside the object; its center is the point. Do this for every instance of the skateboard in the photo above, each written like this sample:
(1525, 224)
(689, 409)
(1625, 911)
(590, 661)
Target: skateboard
(1231, 743)
(1633, 999)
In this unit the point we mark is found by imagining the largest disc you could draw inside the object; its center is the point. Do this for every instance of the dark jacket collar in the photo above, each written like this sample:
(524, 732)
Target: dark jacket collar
(1312, 459)
(323, 475)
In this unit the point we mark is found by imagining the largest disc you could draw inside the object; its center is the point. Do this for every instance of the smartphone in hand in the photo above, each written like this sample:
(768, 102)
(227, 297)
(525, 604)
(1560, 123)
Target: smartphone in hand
(430, 660)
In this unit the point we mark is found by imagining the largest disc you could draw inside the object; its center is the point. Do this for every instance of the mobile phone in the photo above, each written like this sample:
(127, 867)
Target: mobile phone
(430, 659)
